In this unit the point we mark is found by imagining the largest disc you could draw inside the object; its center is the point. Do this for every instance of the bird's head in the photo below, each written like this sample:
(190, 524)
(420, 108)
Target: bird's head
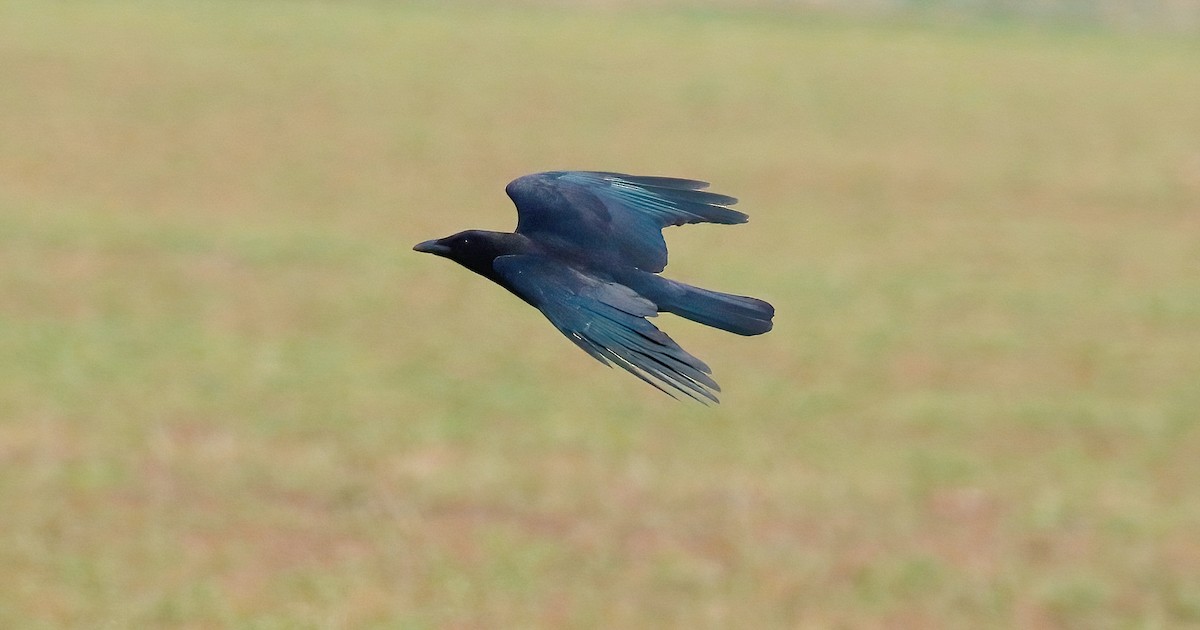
(473, 249)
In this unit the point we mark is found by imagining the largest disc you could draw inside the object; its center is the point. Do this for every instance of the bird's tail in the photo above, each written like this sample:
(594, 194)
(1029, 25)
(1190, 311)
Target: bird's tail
(735, 313)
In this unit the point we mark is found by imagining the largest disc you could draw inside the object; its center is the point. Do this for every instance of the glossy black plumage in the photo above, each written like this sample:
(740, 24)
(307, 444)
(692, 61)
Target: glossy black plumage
(586, 253)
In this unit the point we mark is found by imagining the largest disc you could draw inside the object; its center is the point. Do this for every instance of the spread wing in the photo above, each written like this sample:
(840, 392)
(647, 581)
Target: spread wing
(608, 321)
(616, 216)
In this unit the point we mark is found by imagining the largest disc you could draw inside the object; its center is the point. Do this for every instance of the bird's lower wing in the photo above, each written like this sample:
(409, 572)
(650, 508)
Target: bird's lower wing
(608, 321)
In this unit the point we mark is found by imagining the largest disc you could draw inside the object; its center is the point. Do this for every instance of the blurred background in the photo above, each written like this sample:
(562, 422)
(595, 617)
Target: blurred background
(231, 395)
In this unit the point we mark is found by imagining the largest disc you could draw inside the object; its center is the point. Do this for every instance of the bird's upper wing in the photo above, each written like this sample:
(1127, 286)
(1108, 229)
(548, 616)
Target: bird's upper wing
(608, 321)
(614, 214)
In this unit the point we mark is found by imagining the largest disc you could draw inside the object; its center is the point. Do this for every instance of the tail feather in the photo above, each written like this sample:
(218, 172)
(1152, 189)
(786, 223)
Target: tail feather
(735, 313)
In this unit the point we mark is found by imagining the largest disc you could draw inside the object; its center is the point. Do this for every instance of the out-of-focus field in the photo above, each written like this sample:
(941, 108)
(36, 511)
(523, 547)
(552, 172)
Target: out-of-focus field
(230, 394)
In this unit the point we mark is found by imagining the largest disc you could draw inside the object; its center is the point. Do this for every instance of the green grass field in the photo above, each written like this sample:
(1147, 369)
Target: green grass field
(232, 396)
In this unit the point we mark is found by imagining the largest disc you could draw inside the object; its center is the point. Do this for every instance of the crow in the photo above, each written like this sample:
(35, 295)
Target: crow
(586, 253)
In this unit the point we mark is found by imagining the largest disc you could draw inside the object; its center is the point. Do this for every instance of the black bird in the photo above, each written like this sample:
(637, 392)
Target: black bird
(586, 251)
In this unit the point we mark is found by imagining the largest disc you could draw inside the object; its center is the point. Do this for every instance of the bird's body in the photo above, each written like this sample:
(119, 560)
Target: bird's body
(587, 252)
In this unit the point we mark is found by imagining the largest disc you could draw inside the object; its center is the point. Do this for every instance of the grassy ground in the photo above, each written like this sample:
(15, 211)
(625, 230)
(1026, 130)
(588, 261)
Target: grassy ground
(230, 395)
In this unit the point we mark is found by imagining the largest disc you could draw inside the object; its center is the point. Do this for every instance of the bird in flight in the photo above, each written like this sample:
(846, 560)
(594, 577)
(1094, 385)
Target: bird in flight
(587, 252)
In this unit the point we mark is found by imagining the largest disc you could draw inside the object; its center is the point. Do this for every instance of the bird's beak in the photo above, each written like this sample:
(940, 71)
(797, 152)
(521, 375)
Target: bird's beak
(432, 247)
